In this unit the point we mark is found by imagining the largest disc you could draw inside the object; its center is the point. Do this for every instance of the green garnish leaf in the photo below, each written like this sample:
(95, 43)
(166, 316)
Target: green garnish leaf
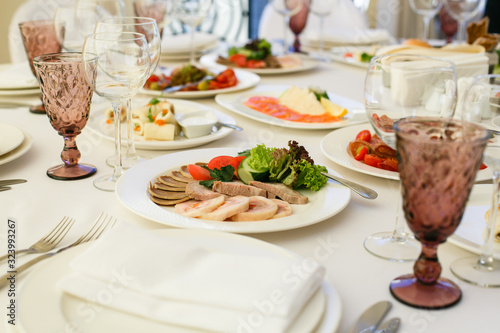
(224, 174)
(154, 101)
(150, 115)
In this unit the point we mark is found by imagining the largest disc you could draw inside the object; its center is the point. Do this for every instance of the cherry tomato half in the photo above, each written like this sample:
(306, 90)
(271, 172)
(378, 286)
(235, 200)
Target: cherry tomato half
(364, 135)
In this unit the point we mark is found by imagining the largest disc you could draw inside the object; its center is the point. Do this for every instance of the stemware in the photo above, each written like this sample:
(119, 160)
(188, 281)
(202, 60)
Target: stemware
(463, 10)
(482, 103)
(321, 8)
(148, 27)
(287, 8)
(192, 13)
(298, 23)
(39, 37)
(448, 25)
(67, 94)
(160, 10)
(438, 159)
(427, 9)
(400, 86)
(123, 62)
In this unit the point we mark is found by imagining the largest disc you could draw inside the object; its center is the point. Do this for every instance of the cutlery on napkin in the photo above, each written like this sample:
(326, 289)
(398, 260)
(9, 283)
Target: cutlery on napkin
(185, 284)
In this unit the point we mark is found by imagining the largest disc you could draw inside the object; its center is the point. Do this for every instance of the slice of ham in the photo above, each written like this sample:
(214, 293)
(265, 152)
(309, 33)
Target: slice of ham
(284, 208)
(195, 208)
(230, 207)
(260, 208)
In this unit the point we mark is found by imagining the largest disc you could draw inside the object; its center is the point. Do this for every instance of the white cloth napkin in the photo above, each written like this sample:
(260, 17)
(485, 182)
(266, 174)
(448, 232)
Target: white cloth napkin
(172, 44)
(14, 76)
(187, 285)
(348, 37)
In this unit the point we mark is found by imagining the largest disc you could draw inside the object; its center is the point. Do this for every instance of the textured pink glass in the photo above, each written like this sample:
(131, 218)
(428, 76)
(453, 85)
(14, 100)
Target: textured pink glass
(39, 37)
(438, 161)
(298, 23)
(152, 9)
(67, 96)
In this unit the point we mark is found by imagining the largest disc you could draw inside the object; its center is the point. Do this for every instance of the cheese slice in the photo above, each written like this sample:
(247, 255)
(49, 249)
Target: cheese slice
(302, 101)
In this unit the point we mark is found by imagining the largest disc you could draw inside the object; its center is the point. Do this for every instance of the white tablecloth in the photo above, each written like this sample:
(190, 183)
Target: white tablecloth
(337, 243)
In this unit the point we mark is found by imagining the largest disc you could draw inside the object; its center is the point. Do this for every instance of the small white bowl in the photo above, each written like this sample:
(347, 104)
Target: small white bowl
(197, 123)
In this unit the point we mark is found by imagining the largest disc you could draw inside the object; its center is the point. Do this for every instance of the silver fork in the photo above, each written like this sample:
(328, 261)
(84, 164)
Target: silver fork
(50, 240)
(102, 223)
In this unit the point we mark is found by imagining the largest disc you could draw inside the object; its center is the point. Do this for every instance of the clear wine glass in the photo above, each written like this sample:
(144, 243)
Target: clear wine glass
(400, 86)
(148, 27)
(463, 10)
(481, 104)
(286, 8)
(427, 9)
(192, 13)
(439, 159)
(321, 8)
(123, 62)
(39, 37)
(298, 23)
(67, 95)
(160, 10)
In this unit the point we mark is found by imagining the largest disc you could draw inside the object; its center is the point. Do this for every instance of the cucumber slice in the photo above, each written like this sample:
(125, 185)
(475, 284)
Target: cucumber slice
(246, 173)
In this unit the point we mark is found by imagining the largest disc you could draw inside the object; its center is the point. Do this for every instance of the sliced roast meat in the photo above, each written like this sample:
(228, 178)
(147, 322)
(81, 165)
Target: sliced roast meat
(230, 207)
(284, 208)
(199, 192)
(195, 208)
(184, 171)
(281, 191)
(168, 202)
(161, 194)
(179, 176)
(169, 181)
(260, 208)
(164, 187)
(237, 188)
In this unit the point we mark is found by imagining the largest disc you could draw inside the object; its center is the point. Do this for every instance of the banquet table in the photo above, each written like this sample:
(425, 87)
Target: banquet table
(360, 278)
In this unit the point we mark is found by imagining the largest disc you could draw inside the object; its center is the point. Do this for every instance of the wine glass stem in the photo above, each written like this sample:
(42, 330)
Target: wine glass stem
(461, 31)
(321, 38)
(286, 21)
(130, 131)
(427, 22)
(191, 42)
(486, 258)
(118, 169)
(398, 234)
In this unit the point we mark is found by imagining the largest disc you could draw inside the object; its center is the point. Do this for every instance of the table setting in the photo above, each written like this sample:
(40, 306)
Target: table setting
(90, 246)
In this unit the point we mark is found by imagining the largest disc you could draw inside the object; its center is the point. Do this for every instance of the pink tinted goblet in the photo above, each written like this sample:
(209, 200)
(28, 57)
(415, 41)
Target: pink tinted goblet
(298, 23)
(40, 37)
(438, 161)
(67, 95)
(159, 10)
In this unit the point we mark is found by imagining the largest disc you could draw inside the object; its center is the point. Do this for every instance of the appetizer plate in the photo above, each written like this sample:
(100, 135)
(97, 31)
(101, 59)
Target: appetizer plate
(307, 64)
(470, 232)
(335, 146)
(42, 298)
(132, 188)
(17, 77)
(339, 54)
(97, 124)
(234, 102)
(19, 151)
(11, 137)
(245, 80)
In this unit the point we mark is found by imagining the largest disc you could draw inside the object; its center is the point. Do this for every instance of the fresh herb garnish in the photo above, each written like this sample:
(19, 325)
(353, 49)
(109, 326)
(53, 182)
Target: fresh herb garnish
(224, 174)
(150, 116)
(154, 101)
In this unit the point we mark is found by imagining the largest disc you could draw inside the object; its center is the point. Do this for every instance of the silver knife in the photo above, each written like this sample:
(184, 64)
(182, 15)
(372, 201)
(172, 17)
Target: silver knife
(12, 181)
(389, 326)
(190, 84)
(371, 318)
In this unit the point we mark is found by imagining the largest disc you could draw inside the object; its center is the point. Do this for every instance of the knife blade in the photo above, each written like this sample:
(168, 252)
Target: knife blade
(12, 181)
(389, 326)
(371, 318)
(187, 85)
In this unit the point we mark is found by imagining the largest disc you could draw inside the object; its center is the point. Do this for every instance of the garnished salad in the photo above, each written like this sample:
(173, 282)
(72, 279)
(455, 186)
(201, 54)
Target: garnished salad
(291, 166)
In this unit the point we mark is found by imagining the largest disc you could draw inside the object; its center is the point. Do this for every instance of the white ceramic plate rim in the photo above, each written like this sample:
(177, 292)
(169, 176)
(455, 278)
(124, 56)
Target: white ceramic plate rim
(26, 73)
(335, 144)
(20, 92)
(46, 302)
(19, 151)
(234, 102)
(307, 64)
(131, 191)
(245, 80)
(337, 54)
(11, 137)
(97, 118)
(469, 234)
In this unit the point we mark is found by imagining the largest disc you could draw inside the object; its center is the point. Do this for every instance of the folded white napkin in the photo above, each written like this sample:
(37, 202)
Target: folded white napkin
(348, 37)
(182, 43)
(185, 284)
(17, 76)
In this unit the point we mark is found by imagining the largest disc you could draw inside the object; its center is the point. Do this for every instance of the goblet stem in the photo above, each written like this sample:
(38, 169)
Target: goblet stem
(191, 42)
(321, 38)
(427, 22)
(461, 31)
(286, 20)
(131, 157)
(118, 169)
(70, 154)
(486, 260)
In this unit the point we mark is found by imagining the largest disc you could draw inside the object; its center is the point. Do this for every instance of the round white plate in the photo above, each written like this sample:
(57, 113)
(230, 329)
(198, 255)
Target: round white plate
(17, 76)
(245, 80)
(338, 54)
(131, 190)
(97, 124)
(19, 151)
(11, 137)
(470, 233)
(20, 92)
(307, 64)
(335, 146)
(42, 299)
(234, 102)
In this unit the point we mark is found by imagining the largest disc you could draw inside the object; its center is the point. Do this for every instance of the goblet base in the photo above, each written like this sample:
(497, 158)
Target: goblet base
(74, 172)
(442, 294)
(127, 161)
(397, 249)
(40, 109)
(106, 183)
(471, 271)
